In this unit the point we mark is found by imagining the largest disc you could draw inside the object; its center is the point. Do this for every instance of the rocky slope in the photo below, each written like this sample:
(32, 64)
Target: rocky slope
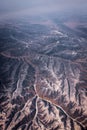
(43, 77)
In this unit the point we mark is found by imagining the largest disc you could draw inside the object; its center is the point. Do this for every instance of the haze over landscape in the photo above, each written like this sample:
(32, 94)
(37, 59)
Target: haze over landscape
(43, 65)
(40, 7)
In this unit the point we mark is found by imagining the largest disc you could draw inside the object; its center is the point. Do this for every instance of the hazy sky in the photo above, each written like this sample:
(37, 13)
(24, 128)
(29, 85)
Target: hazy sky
(40, 6)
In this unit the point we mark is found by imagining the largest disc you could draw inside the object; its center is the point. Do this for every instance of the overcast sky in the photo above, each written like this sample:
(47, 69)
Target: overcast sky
(40, 6)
